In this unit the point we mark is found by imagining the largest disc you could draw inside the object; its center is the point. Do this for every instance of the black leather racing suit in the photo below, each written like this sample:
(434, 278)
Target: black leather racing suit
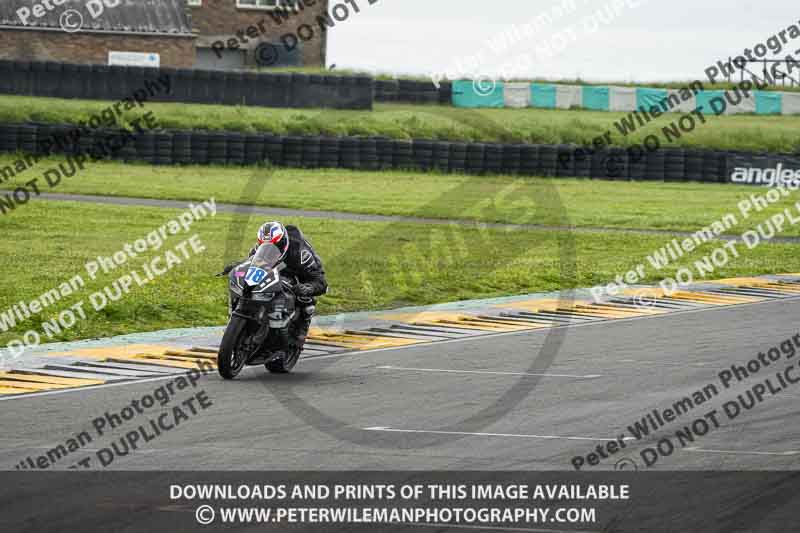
(303, 262)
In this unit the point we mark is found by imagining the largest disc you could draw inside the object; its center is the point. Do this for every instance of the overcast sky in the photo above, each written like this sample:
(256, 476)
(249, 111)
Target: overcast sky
(658, 40)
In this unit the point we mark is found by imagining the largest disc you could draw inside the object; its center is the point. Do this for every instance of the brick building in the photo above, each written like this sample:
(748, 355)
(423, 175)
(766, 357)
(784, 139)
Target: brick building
(229, 32)
(85, 31)
(220, 34)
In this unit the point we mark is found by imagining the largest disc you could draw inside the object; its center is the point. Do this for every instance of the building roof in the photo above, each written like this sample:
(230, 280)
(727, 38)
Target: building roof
(158, 17)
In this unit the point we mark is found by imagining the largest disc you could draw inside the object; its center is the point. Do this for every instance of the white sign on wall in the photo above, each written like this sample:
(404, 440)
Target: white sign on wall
(134, 59)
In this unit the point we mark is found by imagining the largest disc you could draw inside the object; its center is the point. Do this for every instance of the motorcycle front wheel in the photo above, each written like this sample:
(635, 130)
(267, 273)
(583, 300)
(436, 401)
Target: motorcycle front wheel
(232, 354)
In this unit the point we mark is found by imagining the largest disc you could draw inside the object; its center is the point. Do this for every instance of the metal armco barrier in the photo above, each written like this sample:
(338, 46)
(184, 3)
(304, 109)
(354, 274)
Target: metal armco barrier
(104, 82)
(165, 147)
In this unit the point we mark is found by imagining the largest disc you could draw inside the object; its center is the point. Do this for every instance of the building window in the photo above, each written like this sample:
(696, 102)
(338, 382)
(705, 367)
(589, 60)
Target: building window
(194, 2)
(265, 4)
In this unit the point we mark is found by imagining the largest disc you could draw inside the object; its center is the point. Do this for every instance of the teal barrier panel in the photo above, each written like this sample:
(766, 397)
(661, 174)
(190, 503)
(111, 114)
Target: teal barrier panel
(648, 98)
(543, 95)
(595, 98)
(703, 99)
(769, 103)
(480, 94)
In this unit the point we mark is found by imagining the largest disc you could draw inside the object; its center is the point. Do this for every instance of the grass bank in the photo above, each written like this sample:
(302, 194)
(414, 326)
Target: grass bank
(586, 203)
(400, 121)
(369, 265)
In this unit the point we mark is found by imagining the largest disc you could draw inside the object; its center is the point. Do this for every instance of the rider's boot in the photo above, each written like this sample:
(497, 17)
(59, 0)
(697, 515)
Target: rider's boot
(307, 309)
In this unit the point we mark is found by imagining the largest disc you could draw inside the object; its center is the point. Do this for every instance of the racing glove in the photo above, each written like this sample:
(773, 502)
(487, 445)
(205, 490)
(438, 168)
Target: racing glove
(229, 267)
(304, 290)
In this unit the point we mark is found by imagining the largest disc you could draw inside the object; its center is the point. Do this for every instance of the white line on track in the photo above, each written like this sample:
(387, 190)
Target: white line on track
(466, 433)
(501, 528)
(587, 376)
(743, 452)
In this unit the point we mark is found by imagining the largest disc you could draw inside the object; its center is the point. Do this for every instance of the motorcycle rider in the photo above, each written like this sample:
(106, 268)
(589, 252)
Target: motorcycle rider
(302, 262)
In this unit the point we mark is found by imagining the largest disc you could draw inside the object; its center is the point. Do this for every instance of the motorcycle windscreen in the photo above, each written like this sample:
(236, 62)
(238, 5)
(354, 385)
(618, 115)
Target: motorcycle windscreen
(267, 256)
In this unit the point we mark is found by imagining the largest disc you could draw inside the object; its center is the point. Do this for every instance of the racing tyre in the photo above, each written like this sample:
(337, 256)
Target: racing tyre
(548, 160)
(231, 357)
(284, 366)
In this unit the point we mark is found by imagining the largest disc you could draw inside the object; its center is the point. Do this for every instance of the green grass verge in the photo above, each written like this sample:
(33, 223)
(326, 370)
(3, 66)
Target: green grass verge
(369, 265)
(740, 132)
(587, 203)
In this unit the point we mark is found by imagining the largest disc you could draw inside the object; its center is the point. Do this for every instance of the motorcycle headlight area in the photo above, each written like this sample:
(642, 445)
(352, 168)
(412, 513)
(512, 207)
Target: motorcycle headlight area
(235, 289)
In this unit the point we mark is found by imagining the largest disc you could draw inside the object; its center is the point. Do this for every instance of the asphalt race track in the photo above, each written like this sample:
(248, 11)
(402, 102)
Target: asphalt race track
(466, 404)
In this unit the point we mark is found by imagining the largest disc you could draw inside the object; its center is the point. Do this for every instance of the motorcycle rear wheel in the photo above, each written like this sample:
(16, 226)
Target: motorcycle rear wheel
(284, 365)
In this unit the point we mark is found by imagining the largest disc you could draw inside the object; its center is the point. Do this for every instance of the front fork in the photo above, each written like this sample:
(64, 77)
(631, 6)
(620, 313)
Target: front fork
(259, 316)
